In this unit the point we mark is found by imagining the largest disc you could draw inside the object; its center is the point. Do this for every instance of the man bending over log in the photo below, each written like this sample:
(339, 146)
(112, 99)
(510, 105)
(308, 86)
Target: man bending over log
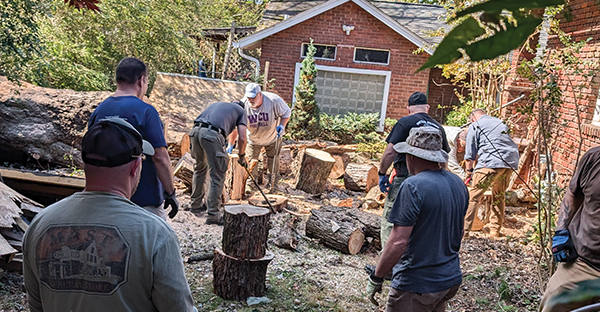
(424, 243)
(208, 139)
(98, 251)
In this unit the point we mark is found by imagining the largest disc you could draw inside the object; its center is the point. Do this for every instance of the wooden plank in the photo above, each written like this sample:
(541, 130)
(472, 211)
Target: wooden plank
(5, 247)
(42, 178)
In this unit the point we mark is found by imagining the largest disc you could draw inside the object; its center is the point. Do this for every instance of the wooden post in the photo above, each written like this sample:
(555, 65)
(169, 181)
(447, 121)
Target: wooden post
(240, 268)
(228, 51)
(266, 76)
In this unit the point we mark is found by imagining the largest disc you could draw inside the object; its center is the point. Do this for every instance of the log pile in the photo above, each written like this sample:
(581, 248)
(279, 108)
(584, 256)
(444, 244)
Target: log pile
(240, 267)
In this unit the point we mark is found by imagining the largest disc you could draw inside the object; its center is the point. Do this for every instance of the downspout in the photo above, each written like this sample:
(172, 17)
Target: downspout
(250, 58)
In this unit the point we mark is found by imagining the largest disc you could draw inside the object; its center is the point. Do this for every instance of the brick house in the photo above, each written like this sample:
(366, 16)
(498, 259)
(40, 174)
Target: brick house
(585, 24)
(365, 57)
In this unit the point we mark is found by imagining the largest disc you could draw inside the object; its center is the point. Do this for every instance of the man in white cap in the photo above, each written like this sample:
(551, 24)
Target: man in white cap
(268, 115)
(424, 244)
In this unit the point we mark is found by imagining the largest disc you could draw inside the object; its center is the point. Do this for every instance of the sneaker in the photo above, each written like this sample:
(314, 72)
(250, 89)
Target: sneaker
(213, 221)
(370, 268)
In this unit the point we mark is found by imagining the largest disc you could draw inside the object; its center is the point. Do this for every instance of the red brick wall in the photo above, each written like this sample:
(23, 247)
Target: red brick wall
(585, 24)
(441, 95)
(282, 50)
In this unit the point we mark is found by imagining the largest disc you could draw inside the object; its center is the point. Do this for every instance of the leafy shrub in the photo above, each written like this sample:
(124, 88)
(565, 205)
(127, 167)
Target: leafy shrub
(460, 114)
(373, 149)
(352, 128)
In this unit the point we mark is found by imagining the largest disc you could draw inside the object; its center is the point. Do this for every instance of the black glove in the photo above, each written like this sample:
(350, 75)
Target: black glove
(171, 200)
(563, 249)
(242, 160)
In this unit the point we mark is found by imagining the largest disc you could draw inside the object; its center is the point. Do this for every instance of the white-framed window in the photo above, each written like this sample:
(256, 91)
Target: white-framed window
(596, 119)
(341, 90)
(324, 51)
(372, 56)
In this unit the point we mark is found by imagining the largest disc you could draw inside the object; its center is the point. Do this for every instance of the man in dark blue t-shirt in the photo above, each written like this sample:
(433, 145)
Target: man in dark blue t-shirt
(156, 184)
(424, 244)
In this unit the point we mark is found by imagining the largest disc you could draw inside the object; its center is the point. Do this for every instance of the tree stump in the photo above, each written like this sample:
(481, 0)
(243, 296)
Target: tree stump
(245, 231)
(334, 232)
(184, 170)
(360, 177)
(278, 202)
(238, 279)
(314, 170)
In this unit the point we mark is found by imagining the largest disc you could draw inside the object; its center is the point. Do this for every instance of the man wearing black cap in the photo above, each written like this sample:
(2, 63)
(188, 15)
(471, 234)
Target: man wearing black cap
(156, 184)
(417, 117)
(98, 251)
(427, 218)
(208, 139)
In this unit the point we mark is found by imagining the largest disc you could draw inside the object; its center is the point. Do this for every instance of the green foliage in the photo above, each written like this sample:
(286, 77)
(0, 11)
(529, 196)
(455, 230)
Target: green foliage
(504, 290)
(19, 36)
(494, 34)
(460, 114)
(304, 123)
(374, 149)
(352, 128)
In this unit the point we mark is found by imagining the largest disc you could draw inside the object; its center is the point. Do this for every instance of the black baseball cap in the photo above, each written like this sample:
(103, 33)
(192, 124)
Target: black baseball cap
(417, 98)
(113, 142)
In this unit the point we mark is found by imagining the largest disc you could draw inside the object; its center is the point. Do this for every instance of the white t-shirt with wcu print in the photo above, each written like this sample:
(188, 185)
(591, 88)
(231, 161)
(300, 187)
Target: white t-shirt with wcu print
(263, 121)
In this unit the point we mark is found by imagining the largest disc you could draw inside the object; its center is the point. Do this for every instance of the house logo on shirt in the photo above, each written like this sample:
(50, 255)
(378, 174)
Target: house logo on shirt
(92, 259)
(259, 120)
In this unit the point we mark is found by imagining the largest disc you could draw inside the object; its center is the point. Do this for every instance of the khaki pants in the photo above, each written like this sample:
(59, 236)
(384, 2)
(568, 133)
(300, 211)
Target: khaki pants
(386, 227)
(207, 148)
(405, 301)
(565, 278)
(159, 211)
(253, 150)
(483, 179)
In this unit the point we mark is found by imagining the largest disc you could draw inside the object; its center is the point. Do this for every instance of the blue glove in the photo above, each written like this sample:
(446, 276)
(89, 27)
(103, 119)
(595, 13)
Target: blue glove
(384, 183)
(563, 249)
(280, 131)
(229, 148)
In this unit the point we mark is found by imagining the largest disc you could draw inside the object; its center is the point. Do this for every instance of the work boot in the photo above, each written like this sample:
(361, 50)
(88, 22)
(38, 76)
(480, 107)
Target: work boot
(217, 221)
(371, 268)
(202, 208)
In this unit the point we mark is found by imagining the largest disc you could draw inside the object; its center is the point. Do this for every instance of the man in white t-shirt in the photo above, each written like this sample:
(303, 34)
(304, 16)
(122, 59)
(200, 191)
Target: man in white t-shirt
(268, 115)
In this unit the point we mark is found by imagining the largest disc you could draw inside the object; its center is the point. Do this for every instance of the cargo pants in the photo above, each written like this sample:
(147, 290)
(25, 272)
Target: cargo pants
(208, 149)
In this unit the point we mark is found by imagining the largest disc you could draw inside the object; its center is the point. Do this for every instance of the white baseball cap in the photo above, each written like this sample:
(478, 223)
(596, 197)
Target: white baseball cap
(252, 90)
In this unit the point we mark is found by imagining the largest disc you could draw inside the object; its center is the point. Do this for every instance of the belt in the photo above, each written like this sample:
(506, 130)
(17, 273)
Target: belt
(211, 127)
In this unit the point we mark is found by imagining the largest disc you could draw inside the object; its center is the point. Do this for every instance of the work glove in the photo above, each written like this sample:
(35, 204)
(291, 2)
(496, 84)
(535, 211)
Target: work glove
(384, 183)
(171, 200)
(242, 160)
(563, 249)
(229, 148)
(280, 131)
(372, 288)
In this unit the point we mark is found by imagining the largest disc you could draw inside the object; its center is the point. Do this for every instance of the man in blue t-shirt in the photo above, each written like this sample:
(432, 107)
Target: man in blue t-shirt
(428, 217)
(156, 184)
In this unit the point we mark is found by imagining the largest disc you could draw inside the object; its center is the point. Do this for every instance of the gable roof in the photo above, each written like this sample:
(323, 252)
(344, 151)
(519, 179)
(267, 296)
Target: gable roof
(412, 21)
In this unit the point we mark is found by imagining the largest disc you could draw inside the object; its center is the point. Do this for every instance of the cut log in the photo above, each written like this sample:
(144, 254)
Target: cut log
(368, 222)
(360, 177)
(286, 237)
(277, 202)
(180, 145)
(374, 199)
(341, 149)
(314, 170)
(334, 233)
(245, 231)
(342, 202)
(239, 176)
(238, 279)
(339, 168)
(184, 170)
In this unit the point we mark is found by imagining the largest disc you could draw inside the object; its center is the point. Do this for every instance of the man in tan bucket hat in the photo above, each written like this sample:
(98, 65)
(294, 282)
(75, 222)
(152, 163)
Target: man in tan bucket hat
(428, 217)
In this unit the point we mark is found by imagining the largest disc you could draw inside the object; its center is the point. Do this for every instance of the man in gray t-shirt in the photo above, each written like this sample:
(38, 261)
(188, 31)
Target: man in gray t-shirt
(497, 155)
(208, 139)
(268, 115)
(424, 244)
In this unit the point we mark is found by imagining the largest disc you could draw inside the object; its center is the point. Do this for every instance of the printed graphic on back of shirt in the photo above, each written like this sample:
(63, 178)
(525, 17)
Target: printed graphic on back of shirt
(91, 258)
(424, 123)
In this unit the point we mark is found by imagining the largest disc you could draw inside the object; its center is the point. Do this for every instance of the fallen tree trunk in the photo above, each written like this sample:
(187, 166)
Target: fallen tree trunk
(368, 222)
(43, 125)
(360, 177)
(332, 231)
(314, 170)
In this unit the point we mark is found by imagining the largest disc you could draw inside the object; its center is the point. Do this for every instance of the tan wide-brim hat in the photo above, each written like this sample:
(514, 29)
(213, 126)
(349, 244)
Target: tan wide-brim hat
(425, 143)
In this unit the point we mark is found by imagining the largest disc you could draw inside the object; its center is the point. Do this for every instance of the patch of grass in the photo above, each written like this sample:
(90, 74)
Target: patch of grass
(469, 277)
(507, 308)
(482, 301)
(505, 291)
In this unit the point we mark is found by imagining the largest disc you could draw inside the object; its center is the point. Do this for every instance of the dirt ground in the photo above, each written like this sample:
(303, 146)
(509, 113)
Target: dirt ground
(498, 274)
